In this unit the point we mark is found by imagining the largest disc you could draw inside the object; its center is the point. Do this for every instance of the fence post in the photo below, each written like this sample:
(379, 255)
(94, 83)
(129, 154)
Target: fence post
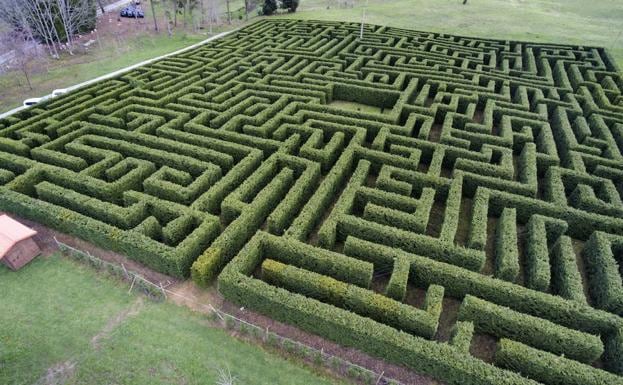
(125, 271)
(217, 312)
(379, 379)
(132, 285)
(163, 292)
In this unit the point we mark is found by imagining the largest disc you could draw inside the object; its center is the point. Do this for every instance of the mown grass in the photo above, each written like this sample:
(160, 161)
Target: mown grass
(51, 310)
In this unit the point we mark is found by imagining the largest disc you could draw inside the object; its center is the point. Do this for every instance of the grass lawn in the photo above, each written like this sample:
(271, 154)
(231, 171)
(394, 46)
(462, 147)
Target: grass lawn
(56, 313)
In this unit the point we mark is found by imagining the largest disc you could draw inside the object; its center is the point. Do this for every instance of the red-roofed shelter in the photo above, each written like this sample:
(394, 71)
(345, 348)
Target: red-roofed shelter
(17, 246)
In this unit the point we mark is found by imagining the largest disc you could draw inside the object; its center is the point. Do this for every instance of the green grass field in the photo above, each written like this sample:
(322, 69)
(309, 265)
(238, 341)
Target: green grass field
(556, 21)
(59, 316)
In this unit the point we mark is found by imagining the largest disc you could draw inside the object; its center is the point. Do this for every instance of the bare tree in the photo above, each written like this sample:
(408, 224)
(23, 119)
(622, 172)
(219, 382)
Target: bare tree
(153, 13)
(228, 13)
(36, 17)
(176, 6)
(24, 52)
(40, 16)
(213, 14)
(74, 16)
(167, 14)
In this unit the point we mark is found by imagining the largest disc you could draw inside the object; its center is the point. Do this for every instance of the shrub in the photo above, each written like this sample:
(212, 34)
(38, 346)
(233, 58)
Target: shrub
(503, 322)
(269, 7)
(549, 368)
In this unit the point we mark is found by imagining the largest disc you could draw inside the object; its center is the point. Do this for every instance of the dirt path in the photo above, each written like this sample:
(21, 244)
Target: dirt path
(115, 321)
(58, 374)
(62, 372)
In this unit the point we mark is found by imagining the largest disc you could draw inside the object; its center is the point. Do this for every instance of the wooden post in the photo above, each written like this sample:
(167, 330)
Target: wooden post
(132, 285)
(379, 379)
(163, 291)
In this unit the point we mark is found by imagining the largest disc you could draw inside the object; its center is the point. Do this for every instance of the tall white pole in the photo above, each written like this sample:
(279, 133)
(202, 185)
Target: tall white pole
(363, 17)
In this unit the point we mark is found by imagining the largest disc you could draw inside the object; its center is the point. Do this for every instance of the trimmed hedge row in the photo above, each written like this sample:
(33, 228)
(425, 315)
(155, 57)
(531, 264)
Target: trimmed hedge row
(397, 285)
(361, 301)
(462, 334)
(613, 356)
(566, 278)
(604, 275)
(338, 266)
(233, 238)
(501, 321)
(459, 282)
(349, 225)
(506, 249)
(439, 360)
(549, 368)
(173, 261)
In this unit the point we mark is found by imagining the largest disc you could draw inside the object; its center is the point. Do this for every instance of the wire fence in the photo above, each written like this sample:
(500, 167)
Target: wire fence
(160, 292)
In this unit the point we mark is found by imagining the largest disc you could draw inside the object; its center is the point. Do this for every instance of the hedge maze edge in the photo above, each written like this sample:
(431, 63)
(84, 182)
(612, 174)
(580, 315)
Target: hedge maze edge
(358, 187)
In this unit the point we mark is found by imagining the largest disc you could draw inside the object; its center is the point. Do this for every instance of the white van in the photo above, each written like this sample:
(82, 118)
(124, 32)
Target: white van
(60, 91)
(31, 101)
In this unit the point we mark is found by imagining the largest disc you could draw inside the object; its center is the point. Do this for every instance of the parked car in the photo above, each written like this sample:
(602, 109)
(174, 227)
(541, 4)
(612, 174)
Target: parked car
(31, 101)
(132, 11)
(59, 91)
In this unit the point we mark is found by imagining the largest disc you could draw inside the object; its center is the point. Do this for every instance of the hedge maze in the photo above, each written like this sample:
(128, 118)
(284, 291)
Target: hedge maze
(359, 188)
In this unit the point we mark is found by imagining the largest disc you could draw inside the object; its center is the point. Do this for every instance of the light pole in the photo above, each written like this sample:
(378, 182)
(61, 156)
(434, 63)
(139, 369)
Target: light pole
(363, 17)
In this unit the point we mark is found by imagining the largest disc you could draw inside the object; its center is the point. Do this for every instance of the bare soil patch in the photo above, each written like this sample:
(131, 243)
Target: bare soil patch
(58, 374)
(115, 321)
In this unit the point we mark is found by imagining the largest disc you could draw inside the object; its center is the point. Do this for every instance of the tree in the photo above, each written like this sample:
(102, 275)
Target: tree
(228, 13)
(75, 16)
(269, 7)
(153, 13)
(213, 13)
(50, 22)
(290, 5)
(23, 50)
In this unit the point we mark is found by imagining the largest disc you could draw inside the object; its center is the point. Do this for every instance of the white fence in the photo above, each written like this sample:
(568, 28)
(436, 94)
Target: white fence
(229, 321)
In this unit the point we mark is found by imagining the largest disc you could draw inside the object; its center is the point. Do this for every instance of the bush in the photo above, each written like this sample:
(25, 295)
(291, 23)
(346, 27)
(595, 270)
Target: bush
(549, 368)
(503, 322)
(290, 5)
(269, 7)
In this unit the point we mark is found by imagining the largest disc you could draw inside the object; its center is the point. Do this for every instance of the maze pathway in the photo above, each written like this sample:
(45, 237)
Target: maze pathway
(451, 204)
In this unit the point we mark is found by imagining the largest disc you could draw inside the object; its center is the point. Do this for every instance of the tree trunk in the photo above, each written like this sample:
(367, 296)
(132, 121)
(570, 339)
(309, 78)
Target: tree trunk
(25, 71)
(175, 4)
(464, 2)
(246, 9)
(228, 13)
(203, 13)
(99, 2)
(153, 12)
